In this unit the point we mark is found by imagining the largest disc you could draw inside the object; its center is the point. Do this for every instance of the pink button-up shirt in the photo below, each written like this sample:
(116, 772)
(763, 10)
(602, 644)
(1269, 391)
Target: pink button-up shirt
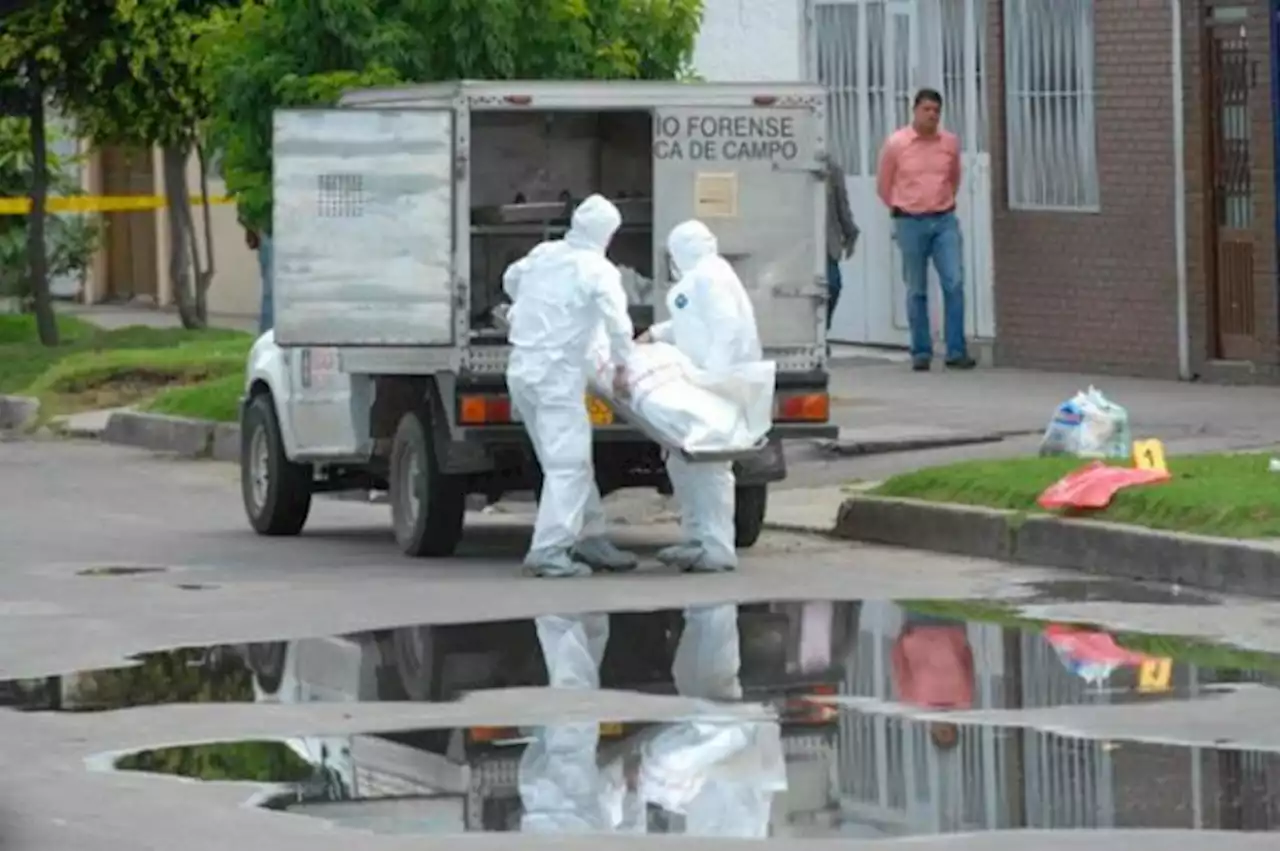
(919, 174)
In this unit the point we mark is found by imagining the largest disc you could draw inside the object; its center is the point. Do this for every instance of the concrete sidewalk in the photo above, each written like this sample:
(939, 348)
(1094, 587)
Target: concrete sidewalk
(874, 393)
(112, 316)
(1020, 402)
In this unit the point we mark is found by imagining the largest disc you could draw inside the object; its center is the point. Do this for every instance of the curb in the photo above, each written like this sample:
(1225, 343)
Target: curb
(856, 446)
(184, 437)
(1108, 549)
(18, 412)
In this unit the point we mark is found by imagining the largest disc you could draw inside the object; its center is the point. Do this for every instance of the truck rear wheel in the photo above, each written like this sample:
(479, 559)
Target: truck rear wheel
(276, 491)
(750, 503)
(427, 507)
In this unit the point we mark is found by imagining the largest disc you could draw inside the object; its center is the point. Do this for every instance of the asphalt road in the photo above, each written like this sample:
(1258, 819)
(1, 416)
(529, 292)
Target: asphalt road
(68, 511)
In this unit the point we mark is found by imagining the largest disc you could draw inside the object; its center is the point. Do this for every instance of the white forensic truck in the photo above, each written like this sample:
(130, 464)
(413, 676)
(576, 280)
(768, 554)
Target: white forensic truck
(395, 215)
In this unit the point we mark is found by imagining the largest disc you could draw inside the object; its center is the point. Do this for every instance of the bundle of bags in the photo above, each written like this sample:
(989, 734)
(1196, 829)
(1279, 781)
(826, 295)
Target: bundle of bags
(1088, 425)
(684, 407)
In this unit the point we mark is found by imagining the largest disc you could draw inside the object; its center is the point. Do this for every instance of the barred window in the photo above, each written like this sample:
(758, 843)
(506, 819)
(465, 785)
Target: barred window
(1049, 103)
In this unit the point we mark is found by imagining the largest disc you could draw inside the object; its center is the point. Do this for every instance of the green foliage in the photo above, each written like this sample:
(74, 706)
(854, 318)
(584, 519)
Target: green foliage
(173, 676)
(259, 762)
(128, 70)
(70, 240)
(284, 53)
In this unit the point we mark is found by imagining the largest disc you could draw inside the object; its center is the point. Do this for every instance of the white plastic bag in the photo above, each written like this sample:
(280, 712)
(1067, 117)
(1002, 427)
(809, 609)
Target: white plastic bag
(685, 407)
(1088, 425)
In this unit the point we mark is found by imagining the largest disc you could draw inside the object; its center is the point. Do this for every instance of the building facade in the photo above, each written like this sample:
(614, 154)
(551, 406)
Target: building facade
(1119, 189)
(1134, 186)
(133, 263)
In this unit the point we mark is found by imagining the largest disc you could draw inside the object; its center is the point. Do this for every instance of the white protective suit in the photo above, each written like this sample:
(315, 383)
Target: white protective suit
(561, 292)
(720, 774)
(559, 779)
(713, 323)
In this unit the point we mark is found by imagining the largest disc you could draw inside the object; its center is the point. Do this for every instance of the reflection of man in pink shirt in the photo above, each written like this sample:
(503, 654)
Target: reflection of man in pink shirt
(918, 178)
(933, 669)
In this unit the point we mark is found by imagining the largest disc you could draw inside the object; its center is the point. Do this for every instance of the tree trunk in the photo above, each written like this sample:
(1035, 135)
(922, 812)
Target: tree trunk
(37, 258)
(174, 169)
(204, 276)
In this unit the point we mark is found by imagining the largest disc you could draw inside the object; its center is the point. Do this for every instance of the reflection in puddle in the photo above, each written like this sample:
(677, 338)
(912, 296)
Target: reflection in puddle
(810, 771)
(942, 654)
(853, 776)
(814, 770)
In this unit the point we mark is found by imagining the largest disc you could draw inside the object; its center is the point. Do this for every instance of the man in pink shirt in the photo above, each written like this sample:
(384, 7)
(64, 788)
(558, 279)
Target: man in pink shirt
(918, 178)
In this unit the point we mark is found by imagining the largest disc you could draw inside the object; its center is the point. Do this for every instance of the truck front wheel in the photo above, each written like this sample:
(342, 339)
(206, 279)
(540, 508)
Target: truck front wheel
(750, 503)
(276, 491)
(427, 507)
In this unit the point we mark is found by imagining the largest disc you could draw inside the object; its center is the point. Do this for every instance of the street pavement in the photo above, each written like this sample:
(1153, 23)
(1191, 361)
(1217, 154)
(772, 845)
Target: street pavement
(74, 514)
(107, 552)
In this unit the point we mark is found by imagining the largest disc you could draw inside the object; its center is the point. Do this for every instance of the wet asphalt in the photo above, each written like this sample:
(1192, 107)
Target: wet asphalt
(356, 690)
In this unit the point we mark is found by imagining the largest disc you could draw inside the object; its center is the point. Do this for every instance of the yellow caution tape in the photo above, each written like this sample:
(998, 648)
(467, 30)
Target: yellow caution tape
(11, 206)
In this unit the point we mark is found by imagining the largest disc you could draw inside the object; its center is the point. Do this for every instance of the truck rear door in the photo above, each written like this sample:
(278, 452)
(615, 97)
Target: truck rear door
(751, 175)
(363, 227)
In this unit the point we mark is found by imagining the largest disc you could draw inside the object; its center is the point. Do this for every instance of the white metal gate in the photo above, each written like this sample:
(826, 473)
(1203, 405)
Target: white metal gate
(873, 55)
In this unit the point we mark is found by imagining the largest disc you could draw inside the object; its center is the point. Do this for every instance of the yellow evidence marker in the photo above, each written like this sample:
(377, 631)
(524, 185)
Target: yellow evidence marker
(1149, 455)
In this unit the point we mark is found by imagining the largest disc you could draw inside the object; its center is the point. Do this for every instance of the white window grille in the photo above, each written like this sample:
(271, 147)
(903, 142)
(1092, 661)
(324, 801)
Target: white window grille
(957, 112)
(1049, 105)
(864, 51)
(836, 43)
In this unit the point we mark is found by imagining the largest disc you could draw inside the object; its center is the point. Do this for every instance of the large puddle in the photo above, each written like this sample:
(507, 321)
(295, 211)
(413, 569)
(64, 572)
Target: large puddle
(941, 654)
(844, 774)
(815, 769)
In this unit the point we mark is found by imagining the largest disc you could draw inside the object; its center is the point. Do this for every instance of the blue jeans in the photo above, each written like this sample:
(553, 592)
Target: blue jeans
(266, 315)
(835, 283)
(935, 237)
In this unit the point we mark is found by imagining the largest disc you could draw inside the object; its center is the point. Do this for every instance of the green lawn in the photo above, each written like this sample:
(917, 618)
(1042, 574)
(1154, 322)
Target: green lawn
(217, 400)
(96, 368)
(1205, 654)
(1233, 496)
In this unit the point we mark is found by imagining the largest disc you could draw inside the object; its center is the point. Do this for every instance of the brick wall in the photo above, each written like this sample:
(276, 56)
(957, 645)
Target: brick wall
(1096, 291)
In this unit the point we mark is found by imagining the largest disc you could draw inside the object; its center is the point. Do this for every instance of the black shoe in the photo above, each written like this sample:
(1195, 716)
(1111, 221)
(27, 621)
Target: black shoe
(965, 362)
(920, 366)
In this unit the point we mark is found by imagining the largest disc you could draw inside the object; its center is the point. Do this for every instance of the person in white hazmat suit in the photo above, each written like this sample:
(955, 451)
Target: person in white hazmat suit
(561, 292)
(558, 777)
(713, 323)
(720, 774)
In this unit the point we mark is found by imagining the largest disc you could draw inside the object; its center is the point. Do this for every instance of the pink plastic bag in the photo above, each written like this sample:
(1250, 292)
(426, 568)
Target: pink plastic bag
(1095, 485)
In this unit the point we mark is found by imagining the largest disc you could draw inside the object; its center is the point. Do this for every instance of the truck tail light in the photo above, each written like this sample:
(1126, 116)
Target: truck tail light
(764, 100)
(811, 709)
(480, 735)
(803, 407)
(484, 410)
(519, 100)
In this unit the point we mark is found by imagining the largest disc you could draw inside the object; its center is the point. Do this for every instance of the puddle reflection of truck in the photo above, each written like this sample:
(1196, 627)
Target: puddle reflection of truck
(396, 215)
(476, 767)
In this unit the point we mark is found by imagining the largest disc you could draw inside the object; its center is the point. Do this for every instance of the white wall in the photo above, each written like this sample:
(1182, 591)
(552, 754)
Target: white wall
(751, 40)
(236, 290)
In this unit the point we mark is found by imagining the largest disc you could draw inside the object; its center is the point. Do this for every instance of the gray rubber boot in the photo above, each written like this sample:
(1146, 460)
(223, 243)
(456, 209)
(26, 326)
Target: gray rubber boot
(555, 566)
(703, 563)
(680, 555)
(602, 555)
